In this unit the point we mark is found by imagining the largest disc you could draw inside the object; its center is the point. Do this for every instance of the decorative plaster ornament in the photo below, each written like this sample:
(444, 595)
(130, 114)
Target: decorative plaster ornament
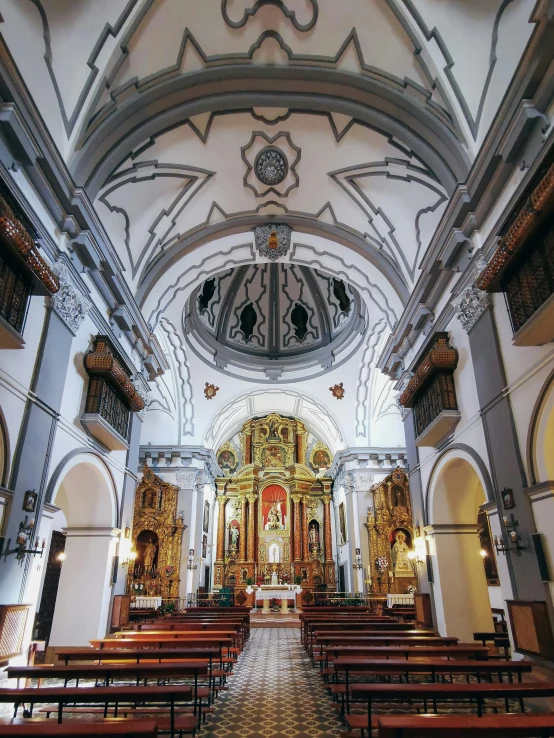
(271, 166)
(71, 306)
(273, 241)
(470, 305)
(210, 391)
(337, 391)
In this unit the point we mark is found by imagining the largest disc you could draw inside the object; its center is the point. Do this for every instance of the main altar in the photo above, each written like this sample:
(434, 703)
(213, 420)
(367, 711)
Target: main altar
(274, 516)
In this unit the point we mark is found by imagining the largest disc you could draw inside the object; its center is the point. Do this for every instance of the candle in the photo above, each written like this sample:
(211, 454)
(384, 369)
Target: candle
(505, 520)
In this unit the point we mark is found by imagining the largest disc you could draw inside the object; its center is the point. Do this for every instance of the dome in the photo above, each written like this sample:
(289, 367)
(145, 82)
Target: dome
(274, 318)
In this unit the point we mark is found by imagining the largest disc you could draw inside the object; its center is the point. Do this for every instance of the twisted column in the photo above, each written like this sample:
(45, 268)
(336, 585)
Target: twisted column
(243, 529)
(305, 546)
(251, 526)
(297, 527)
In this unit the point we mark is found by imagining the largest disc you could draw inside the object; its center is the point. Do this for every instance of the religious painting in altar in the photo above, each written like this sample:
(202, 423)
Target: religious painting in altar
(274, 508)
(227, 459)
(489, 560)
(320, 457)
(156, 537)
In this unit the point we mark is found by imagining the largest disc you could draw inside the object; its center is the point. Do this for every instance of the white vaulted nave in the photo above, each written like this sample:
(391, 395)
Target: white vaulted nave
(276, 367)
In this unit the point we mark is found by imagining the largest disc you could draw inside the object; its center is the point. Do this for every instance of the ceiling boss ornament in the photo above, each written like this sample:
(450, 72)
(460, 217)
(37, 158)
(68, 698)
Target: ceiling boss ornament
(273, 241)
(271, 166)
(210, 391)
(337, 390)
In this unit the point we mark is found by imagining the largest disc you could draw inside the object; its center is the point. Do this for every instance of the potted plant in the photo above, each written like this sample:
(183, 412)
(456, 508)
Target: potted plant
(298, 579)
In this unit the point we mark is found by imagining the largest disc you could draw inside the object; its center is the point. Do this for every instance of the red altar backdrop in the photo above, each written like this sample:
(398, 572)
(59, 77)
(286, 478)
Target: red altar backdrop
(274, 498)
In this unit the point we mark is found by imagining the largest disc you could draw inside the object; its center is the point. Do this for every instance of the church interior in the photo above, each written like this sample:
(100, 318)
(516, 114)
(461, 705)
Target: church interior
(277, 368)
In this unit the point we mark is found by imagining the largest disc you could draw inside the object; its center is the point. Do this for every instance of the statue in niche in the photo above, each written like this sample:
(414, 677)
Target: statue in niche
(314, 536)
(208, 291)
(273, 429)
(299, 318)
(234, 536)
(339, 292)
(149, 555)
(401, 564)
(398, 496)
(274, 519)
(248, 320)
(150, 498)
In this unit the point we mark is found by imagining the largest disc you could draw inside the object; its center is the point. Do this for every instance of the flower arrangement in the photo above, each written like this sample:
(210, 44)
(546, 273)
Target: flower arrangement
(411, 589)
(137, 587)
(169, 571)
(381, 563)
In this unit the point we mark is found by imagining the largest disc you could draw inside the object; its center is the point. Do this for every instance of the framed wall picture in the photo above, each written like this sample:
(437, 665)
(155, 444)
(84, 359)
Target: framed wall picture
(204, 545)
(508, 498)
(30, 501)
(206, 519)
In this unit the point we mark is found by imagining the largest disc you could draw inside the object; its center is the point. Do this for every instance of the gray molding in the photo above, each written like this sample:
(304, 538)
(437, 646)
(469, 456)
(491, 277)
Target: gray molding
(289, 14)
(489, 490)
(365, 457)
(56, 474)
(186, 417)
(183, 455)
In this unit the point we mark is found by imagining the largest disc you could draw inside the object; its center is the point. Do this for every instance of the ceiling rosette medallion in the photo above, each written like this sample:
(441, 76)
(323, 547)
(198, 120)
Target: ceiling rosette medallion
(271, 164)
(273, 241)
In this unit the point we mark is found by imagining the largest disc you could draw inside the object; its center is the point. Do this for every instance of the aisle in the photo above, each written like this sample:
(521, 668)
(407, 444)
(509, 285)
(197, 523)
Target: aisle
(274, 692)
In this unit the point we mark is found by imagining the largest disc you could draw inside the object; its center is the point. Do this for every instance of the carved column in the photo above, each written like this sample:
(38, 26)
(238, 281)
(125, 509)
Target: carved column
(247, 443)
(243, 529)
(328, 543)
(297, 526)
(300, 450)
(251, 526)
(305, 546)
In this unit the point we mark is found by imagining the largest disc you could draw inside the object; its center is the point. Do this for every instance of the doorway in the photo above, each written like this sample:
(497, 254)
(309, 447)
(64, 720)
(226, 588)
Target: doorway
(342, 581)
(45, 614)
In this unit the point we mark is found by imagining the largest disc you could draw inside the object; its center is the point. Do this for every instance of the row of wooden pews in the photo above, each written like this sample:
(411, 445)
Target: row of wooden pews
(373, 665)
(160, 679)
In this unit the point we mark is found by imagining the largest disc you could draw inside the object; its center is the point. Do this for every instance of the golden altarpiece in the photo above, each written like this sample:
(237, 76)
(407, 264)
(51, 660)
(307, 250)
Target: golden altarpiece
(390, 533)
(275, 509)
(157, 538)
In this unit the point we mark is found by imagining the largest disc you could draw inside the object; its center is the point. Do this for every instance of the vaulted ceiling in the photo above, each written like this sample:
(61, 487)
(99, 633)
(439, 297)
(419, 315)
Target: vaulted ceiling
(160, 109)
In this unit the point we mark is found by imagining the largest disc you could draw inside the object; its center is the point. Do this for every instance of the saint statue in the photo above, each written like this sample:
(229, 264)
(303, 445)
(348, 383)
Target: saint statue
(234, 535)
(400, 561)
(274, 577)
(274, 518)
(314, 537)
(149, 554)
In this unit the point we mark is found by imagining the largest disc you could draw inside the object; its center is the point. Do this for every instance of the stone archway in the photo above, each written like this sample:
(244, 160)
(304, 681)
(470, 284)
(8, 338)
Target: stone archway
(456, 491)
(541, 436)
(86, 494)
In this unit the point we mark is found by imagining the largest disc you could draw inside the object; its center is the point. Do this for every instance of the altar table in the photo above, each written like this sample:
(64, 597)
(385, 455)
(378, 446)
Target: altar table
(283, 592)
(400, 599)
(147, 603)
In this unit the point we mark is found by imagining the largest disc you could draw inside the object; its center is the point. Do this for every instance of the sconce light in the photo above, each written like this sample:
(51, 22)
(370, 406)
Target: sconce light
(191, 564)
(61, 557)
(358, 563)
(514, 538)
(483, 553)
(126, 553)
(23, 540)
(417, 555)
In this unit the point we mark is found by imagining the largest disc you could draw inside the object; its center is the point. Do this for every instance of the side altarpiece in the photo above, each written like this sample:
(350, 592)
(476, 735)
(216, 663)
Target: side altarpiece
(274, 509)
(157, 538)
(390, 533)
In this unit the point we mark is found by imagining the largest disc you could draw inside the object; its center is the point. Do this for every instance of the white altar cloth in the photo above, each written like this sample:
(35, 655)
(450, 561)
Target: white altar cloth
(276, 594)
(400, 599)
(147, 602)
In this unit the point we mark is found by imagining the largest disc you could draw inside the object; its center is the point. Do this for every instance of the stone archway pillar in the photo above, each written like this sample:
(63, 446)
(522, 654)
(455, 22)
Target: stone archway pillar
(461, 593)
(84, 593)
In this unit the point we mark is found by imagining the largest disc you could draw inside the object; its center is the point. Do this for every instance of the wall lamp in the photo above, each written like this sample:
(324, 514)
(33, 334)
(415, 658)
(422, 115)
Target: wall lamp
(418, 554)
(514, 538)
(22, 542)
(191, 564)
(358, 563)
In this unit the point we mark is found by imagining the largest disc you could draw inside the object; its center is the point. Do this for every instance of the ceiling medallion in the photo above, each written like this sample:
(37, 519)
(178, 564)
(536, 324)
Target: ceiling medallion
(271, 166)
(272, 241)
(337, 391)
(210, 391)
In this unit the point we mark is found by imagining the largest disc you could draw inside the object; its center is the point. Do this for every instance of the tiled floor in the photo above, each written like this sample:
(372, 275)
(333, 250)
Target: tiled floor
(274, 692)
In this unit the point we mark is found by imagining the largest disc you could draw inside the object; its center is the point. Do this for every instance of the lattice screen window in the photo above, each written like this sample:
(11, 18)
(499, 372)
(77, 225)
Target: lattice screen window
(13, 619)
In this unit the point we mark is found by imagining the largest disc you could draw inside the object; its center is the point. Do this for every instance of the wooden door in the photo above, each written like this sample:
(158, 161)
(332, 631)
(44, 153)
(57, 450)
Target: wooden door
(45, 614)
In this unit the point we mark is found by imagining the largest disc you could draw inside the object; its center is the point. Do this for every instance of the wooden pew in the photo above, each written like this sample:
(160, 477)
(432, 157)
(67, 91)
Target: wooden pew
(364, 629)
(468, 651)
(157, 643)
(153, 635)
(466, 726)
(137, 654)
(104, 696)
(339, 639)
(75, 729)
(308, 622)
(478, 693)
(431, 667)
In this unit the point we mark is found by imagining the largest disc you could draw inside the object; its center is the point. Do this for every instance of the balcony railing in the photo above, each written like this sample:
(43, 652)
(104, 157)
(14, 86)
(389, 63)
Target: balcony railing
(530, 282)
(15, 290)
(439, 395)
(104, 400)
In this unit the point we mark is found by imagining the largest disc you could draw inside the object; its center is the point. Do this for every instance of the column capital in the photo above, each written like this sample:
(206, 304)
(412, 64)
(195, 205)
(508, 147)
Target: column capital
(70, 304)
(222, 499)
(296, 498)
(252, 498)
(471, 303)
(326, 499)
